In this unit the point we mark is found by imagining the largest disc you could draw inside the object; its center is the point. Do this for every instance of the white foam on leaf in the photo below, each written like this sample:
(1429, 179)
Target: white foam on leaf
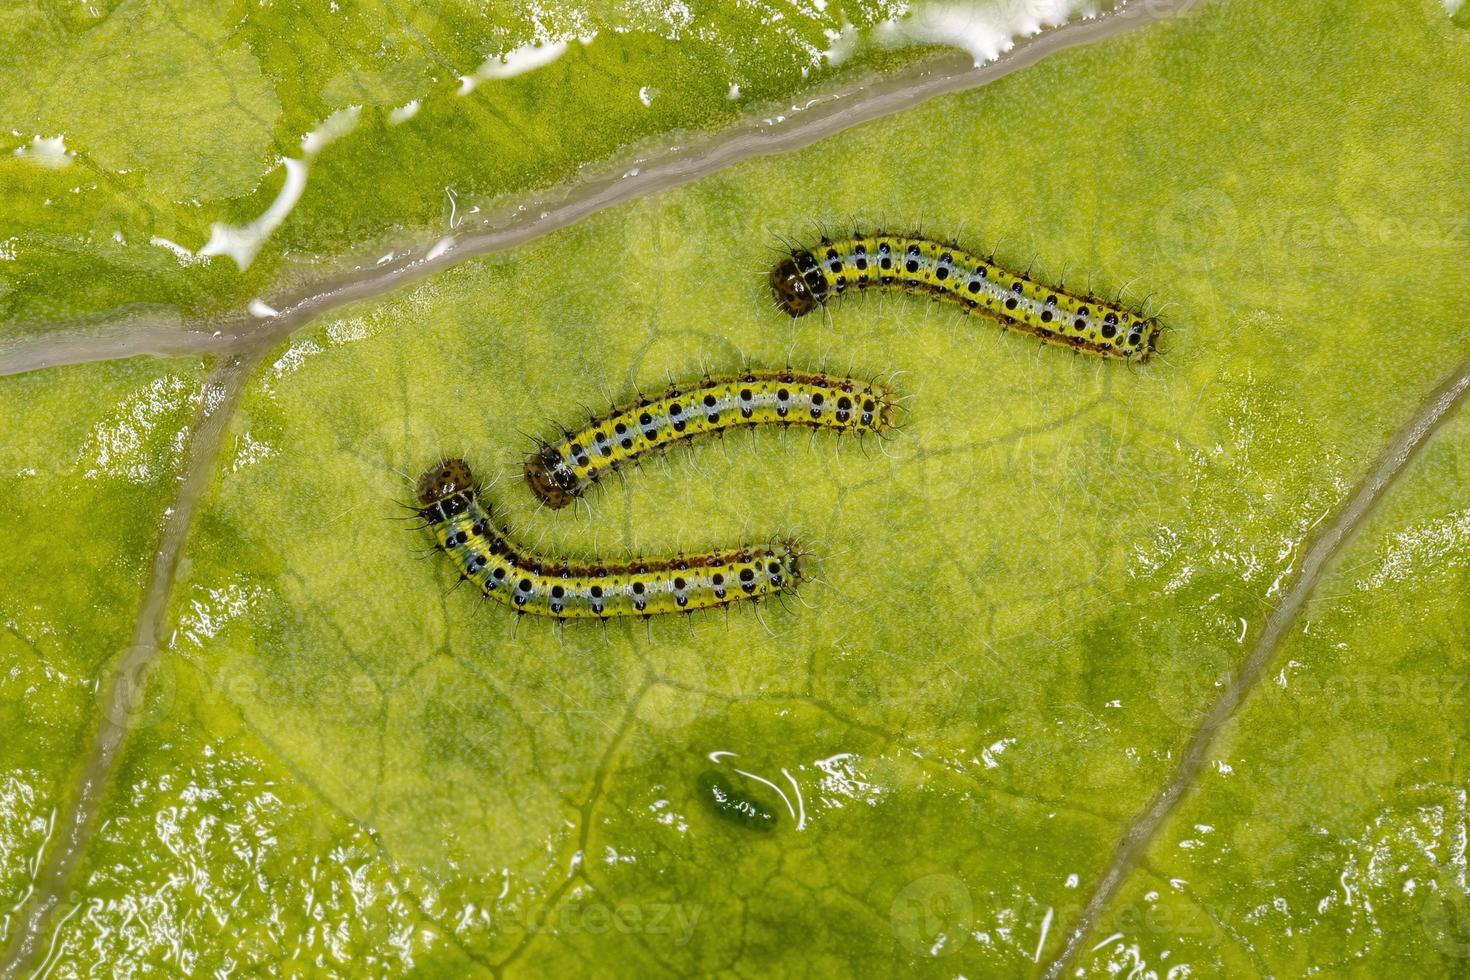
(184, 256)
(47, 151)
(840, 44)
(518, 61)
(985, 32)
(404, 113)
(243, 242)
(332, 128)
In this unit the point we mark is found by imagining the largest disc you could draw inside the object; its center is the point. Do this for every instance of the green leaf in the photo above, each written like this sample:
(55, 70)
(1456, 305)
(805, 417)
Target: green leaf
(176, 121)
(1027, 608)
(87, 466)
(1333, 808)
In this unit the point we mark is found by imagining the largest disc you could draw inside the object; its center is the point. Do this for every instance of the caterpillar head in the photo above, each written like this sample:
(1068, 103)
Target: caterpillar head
(789, 287)
(1149, 346)
(550, 480)
(450, 477)
(887, 405)
(797, 561)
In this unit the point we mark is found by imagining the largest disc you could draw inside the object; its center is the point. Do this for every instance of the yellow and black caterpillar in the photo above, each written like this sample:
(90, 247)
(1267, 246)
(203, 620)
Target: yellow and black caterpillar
(484, 554)
(558, 472)
(807, 279)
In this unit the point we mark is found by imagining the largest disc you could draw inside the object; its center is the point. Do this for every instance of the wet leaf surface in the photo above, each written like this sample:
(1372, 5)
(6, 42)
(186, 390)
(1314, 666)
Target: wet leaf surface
(1025, 605)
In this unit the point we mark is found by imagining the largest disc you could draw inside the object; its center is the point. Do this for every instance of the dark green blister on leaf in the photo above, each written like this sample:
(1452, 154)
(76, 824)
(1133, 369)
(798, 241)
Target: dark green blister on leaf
(724, 800)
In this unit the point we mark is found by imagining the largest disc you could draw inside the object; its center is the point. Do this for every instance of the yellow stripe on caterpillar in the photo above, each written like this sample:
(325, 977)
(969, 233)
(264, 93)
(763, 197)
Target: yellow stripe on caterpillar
(485, 554)
(559, 472)
(806, 280)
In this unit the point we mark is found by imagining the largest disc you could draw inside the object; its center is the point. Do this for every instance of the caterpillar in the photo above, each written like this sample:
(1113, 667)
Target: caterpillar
(559, 472)
(484, 553)
(806, 279)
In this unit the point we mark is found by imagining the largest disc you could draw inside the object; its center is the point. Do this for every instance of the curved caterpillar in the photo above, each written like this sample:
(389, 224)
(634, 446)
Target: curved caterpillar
(559, 472)
(484, 554)
(808, 279)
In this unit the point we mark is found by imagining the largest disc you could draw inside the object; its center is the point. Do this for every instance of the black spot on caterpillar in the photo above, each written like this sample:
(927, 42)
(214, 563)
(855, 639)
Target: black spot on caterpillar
(484, 553)
(559, 472)
(808, 279)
